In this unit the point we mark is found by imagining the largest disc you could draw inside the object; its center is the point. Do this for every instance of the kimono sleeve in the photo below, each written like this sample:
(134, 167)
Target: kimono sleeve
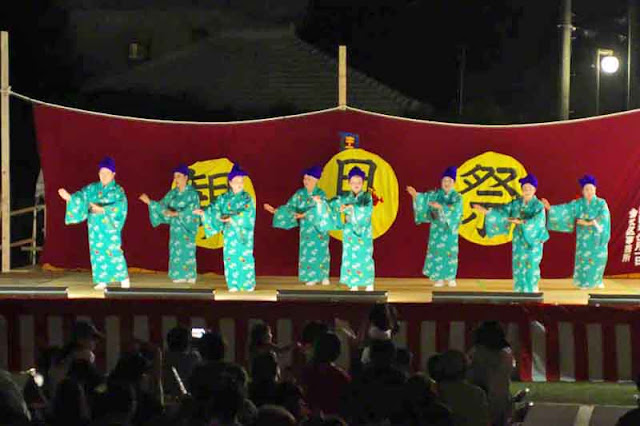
(245, 217)
(157, 209)
(284, 217)
(603, 224)
(421, 207)
(451, 214)
(116, 211)
(211, 219)
(562, 217)
(186, 219)
(360, 216)
(78, 206)
(496, 220)
(534, 229)
(326, 215)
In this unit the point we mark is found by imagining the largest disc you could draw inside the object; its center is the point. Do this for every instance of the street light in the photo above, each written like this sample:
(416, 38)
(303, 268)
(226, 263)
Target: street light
(609, 64)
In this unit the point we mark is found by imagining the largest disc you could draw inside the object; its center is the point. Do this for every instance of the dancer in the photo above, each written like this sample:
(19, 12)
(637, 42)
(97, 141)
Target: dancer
(590, 217)
(176, 210)
(357, 269)
(313, 253)
(530, 233)
(104, 206)
(234, 214)
(443, 209)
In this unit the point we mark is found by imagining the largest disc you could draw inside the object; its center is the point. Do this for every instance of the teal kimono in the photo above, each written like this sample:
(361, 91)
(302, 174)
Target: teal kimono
(441, 262)
(591, 241)
(182, 230)
(357, 269)
(313, 253)
(105, 242)
(528, 239)
(239, 264)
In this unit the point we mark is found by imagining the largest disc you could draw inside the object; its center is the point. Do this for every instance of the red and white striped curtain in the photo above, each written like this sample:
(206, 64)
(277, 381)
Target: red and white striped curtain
(551, 343)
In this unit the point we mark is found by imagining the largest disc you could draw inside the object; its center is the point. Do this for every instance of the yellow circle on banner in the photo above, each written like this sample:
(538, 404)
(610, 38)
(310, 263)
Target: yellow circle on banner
(490, 180)
(209, 178)
(381, 181)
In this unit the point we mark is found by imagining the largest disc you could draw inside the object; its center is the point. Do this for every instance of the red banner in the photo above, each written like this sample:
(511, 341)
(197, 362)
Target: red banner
(275, 151)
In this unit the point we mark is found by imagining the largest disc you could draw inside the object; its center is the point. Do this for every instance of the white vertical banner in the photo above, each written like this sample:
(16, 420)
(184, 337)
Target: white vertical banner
(285, 337)
(141, 328)
(567, 352)
(227, 327)
(457, 335)
(596, 356)
(112, 344)
(427, 342)
(55, 332)
(623, 352)
(538, 351)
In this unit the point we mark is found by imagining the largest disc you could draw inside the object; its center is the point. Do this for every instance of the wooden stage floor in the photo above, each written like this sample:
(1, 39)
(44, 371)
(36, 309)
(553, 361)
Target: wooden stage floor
(401, 290)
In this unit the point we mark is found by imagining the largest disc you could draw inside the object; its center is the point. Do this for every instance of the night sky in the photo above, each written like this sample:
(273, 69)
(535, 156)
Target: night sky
(412, 46)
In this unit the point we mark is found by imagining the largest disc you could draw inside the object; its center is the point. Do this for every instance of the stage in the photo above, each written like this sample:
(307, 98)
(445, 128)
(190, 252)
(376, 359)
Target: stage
(400, 290)
(562, 339)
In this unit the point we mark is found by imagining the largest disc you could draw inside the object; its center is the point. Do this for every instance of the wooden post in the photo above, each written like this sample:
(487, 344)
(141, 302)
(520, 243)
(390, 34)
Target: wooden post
(4, 152)
(342, 77)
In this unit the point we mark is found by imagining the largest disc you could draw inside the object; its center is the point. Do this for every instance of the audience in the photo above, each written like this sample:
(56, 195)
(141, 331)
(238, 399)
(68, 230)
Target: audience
(490, 369)
(67, 388)
(468, 403)
(404, 361)
(264, 378)
(324, 382)
(181, 357)
(13, 408)
(375, 395)
(143, 376)
(273, 415)
(291, 396)
(420, 405)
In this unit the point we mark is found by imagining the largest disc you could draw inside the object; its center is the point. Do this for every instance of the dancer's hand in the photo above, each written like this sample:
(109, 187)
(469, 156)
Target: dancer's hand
(170, 213)
(412, 191)
(317, 199)
(96, 208)
(515, 220)
(585, 222)
(345, 207)
(546, 203)
(198, 212)
(225, 219)
(436, 205)
(298, 215)
(480, 209)
(145, 199)
(270, 208)
(64, 194)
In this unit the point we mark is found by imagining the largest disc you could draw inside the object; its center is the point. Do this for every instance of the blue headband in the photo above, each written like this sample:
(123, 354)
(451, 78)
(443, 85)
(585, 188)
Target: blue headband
(235, 172)
(182, 169)
(107, 163)
(314, 171)
(587, 180)
(451, 172)
(357, 171)
(530, 179)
